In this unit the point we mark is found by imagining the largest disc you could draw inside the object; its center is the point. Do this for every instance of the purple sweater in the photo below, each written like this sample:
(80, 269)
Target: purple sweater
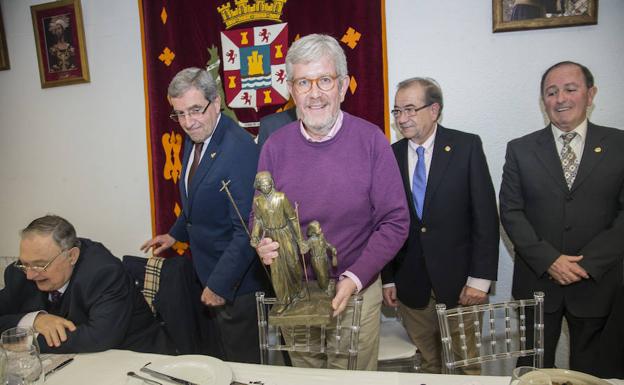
(351, 184)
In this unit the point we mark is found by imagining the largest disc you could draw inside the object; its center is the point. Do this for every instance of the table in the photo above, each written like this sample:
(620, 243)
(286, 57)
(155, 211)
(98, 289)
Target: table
(110, 368)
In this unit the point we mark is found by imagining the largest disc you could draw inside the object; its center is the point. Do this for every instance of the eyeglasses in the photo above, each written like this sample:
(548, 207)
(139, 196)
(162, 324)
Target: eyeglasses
(194, 112)
(37, 269)
(324, 83)
(409, 111)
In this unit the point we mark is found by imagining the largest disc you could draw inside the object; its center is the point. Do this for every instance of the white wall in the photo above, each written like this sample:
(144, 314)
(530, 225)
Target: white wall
(80, 150)
(87, 142)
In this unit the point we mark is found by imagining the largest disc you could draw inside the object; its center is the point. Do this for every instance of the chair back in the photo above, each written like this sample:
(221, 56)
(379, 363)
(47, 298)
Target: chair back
(339, 338)
(502, 330)
(172, 290)
(4, 262)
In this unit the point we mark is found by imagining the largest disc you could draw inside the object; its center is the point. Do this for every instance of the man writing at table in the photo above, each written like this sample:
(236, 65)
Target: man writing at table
(75, 294)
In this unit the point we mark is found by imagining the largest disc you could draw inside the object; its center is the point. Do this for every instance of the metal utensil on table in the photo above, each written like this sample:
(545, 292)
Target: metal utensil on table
(154, 373)
(144, 379)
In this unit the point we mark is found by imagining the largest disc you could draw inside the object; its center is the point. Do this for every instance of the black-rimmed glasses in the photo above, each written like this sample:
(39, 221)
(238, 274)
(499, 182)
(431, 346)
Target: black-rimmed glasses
(409, 111)
(194, 112)
(37, 269)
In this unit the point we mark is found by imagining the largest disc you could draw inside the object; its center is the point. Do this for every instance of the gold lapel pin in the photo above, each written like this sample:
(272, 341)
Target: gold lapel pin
(597, 149)
(447, 148)
(213, 155)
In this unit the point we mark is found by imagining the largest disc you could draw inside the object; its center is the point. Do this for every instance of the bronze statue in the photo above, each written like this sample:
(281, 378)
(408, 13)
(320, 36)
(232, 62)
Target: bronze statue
(318, 251)
(275, 218)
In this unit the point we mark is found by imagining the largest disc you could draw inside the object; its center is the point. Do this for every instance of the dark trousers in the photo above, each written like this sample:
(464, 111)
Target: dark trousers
(584, 340)
(236, 325)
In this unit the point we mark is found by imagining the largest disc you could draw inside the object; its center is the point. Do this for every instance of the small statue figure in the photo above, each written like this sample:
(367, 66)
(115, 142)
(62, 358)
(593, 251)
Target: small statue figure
(275, 218)
(318, 251)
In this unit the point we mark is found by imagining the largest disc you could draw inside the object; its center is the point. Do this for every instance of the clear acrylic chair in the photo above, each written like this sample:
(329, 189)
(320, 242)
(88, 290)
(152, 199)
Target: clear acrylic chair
(502, 330)
(337, 338)
(397, 352)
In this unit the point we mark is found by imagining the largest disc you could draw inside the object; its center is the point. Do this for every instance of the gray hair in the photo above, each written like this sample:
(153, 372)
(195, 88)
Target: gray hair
(63, 232)
(193, 77)
(432, 90)
(311, 48)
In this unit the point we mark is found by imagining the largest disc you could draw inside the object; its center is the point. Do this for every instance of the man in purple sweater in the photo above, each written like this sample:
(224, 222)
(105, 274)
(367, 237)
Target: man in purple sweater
(340, 170)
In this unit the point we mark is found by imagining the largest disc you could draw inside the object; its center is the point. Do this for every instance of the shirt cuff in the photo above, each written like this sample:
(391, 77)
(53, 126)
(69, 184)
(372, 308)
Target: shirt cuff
(387, 285)
(479, 284)
(354, 278)
(28, 320)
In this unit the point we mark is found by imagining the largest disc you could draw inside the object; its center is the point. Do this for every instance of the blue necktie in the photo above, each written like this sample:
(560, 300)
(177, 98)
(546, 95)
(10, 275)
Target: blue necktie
(419, 181)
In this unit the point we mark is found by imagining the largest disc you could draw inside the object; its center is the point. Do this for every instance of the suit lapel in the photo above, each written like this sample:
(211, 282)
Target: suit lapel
(593, 153)
(442, 154)
(546, 152)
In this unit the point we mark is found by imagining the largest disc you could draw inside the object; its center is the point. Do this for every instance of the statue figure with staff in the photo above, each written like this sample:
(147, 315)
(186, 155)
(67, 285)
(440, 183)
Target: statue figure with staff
(275, 218)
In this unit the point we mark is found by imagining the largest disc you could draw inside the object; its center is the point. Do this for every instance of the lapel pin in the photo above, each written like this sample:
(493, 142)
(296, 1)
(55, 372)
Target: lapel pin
(447, 148)
(213, 155)
(597, 149)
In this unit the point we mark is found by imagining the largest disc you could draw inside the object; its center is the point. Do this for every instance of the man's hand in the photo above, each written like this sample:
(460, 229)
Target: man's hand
(344, 289)
(470, 296)
(159, 243)
(566, 270)
(267, 250)
(210, 298)
(390, 297)
(53, 328)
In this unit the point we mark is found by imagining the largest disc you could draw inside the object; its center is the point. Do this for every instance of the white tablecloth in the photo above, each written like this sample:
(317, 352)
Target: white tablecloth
(110, 368)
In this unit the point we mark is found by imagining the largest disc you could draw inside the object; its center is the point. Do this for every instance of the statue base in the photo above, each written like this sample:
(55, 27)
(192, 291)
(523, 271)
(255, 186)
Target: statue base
(314, 310)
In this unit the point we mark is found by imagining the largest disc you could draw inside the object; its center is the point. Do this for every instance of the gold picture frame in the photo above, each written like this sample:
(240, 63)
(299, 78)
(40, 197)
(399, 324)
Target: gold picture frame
(518, 15)
(59, 37)
(4, 52)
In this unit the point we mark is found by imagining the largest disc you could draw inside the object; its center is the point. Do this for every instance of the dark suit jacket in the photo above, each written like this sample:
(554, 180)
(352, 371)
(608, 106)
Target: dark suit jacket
(459, 233)
(101, 301)
(271, 123)
(545, 219)
(222, 256)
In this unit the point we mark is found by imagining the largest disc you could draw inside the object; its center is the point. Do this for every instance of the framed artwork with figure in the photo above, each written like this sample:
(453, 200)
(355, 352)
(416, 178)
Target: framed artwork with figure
(59, 37)
(517, 15)
(4, 52)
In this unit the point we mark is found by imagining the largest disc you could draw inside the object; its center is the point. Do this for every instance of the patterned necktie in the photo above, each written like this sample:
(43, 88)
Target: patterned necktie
(55, 297)
(568, 159)
(196, 158)
(419, 181)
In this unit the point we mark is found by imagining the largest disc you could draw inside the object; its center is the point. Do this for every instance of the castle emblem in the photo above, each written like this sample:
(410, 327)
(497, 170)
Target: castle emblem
(254, 65)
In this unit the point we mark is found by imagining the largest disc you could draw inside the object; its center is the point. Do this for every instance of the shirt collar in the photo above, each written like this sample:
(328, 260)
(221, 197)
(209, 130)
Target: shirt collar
(581, 131)
(334, 130)
(428, 145)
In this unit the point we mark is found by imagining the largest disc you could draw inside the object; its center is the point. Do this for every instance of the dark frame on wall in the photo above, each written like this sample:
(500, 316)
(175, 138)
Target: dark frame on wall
(4, 52)
(59, 37)
(518, 15)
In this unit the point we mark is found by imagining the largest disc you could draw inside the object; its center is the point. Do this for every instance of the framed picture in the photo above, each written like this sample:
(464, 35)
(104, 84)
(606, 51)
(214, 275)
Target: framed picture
(4, 52)
(516, 15)
(59, 36)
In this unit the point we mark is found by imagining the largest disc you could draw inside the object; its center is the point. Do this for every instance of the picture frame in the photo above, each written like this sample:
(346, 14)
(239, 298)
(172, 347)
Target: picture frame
(60, 43)
(4, 52)
(519, 15)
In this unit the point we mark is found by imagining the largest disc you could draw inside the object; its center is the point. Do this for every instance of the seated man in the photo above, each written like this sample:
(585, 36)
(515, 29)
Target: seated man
(75, 294)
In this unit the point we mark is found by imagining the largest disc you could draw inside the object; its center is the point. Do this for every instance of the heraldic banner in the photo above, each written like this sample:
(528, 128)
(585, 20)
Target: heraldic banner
(243, 43)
